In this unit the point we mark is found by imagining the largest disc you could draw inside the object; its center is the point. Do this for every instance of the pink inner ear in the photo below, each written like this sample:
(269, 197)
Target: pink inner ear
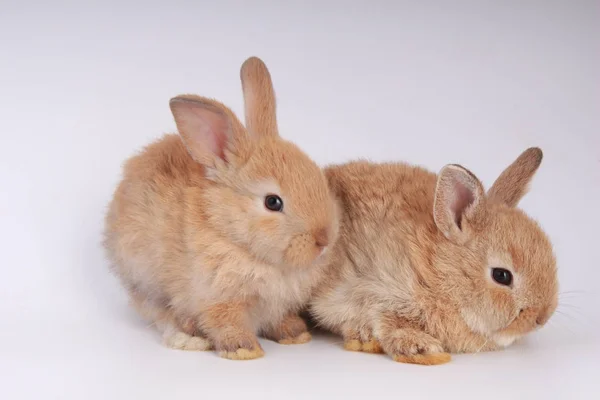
(463, 198)
(206, 129)
(209, 131)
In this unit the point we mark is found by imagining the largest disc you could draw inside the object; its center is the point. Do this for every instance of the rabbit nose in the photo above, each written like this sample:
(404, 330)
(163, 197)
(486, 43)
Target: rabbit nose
(321, 237)
(542, 317)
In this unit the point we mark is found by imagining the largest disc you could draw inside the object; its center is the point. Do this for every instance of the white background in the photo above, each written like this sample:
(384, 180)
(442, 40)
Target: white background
(83, 86)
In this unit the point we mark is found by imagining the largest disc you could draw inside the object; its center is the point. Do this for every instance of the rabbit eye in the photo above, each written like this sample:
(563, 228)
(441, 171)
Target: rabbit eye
(273, 202)
(502, 276)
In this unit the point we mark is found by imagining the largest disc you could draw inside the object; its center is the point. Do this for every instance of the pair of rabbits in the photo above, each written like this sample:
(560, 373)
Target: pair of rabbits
(226, 232)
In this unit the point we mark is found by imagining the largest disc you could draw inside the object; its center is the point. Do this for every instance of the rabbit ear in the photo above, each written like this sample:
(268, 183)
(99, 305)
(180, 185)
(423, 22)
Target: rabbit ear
(207, 127)
(459, 203)
(512, 184)
(259, 98)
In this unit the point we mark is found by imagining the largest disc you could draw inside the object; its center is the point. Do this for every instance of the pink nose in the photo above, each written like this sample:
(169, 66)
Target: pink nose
(322, 237)
(542, 317)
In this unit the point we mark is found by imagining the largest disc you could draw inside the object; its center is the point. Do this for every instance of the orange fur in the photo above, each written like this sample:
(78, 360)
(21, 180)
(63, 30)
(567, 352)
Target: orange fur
(372, 346)
(424, 359)
(291, 330)
(190, 238)
(412, 264)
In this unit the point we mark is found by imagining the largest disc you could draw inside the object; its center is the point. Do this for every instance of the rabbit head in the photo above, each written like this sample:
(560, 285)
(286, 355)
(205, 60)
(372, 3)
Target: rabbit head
(498, 264)
(266, 195)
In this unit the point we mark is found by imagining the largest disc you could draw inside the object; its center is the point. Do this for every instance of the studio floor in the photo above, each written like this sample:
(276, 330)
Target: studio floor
(84, 85)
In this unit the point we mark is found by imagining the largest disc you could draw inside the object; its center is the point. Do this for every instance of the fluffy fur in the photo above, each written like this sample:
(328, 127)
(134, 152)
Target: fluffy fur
(190, 238)
(411, 273)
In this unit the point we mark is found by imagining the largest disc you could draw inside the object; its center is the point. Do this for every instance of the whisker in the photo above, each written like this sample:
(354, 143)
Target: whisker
(572, 318)
(572, 291)
(562, 303)
(566, 309)
(564, 314)
(556, 324)
(572, 294)
(578, 310)
(570, 297)
(552, 324)
(482, 346)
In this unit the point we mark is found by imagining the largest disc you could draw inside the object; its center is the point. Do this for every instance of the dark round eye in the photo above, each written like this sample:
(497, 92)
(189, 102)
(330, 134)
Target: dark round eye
(273, 202)
(502, 276)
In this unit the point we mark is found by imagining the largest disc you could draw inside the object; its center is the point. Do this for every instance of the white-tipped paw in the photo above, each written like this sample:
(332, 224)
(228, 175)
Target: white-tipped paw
(183, 341)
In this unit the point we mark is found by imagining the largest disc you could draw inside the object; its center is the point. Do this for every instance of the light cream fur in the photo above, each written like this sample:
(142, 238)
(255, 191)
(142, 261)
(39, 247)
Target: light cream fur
(189, 236)
(411, 270)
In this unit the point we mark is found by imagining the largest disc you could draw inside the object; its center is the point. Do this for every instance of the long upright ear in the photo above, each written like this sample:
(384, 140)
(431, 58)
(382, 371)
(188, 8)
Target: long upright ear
(207, 127)
(459, 203)
(513, 183)
(259, 98)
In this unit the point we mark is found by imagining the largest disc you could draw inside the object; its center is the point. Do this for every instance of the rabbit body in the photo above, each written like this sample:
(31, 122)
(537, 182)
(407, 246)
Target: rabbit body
(411, 270)
(191, 236)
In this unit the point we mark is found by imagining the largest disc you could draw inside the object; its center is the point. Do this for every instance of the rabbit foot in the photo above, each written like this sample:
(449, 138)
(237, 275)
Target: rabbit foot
(302, 338)
(183, 341)
(243, 354)
(239, 346)
(370, 346)
(361, 340)
(423, 359)
(291, 330)
(226, 326)
(414, 347)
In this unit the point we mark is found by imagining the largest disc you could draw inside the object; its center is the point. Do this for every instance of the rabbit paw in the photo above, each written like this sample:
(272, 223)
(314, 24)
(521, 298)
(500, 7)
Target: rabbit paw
(183, 341)
(361, 340)
(292, 330)
(414, 347)
(243, 354)
(302, 338)
(240, 346)
(370, 346)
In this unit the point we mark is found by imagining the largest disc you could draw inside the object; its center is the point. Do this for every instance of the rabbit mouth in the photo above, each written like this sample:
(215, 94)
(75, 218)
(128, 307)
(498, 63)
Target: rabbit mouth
(519, 326)
(505, 340)
(509, 334)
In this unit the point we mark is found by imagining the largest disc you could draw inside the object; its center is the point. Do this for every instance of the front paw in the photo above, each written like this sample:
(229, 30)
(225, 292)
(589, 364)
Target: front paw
(239, 346)
(302, 338)
(361, 340)
(183, 341)
(292, 330)
(414, 347)
(243, 354)
(370, 346)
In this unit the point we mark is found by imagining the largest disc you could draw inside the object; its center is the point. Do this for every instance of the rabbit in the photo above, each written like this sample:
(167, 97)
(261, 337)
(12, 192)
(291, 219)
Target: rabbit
(426, 265)
(219, 234)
